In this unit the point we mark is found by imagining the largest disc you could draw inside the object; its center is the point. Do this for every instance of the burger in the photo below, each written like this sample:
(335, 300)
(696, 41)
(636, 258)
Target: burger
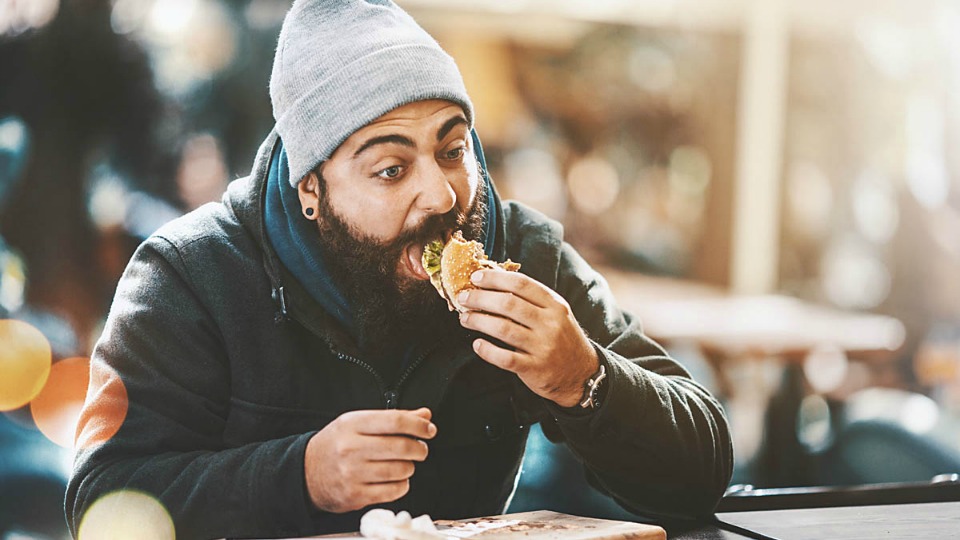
(451, 264)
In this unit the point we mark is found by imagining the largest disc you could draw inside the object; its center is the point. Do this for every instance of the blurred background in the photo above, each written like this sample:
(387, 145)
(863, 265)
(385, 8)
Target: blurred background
(768, 184)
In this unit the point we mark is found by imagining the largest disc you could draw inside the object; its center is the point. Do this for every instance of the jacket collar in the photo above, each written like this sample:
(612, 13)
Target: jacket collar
(246, 197)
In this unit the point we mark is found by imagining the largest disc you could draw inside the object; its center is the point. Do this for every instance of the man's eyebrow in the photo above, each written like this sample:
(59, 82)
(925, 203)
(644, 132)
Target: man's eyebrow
(449, 125)
(385, 139)
(405, 141)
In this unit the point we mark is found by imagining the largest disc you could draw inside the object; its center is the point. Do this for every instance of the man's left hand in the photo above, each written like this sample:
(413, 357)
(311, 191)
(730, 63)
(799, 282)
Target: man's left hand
(552, 355)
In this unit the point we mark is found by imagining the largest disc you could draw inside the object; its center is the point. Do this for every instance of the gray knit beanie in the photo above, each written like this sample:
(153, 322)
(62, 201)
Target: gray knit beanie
(340, 64)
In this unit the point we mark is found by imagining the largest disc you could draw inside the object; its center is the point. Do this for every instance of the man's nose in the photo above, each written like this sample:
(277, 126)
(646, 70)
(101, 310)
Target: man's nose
(436, 193)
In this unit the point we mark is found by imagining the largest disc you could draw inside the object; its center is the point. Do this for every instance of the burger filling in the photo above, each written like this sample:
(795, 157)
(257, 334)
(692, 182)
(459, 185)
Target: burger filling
(432, 254)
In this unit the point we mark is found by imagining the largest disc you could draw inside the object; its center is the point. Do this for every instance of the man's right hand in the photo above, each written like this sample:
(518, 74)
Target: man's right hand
(365, 457)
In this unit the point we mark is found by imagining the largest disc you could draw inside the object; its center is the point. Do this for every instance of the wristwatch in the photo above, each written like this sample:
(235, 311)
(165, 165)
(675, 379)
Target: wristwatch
(592, 389)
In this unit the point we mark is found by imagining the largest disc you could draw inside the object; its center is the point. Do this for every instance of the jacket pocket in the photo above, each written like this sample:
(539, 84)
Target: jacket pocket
(476, 454)
(476, 414)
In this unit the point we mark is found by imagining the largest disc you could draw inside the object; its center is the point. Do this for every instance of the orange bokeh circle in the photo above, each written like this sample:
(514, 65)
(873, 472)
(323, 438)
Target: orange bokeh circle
(24, 363)
(57, 408)
(105, 408)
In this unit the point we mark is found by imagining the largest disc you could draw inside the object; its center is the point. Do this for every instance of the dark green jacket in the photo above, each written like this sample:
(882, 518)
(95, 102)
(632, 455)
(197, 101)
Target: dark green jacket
(228, 376)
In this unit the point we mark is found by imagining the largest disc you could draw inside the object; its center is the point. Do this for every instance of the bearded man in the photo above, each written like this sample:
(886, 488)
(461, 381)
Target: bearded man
(285, 364)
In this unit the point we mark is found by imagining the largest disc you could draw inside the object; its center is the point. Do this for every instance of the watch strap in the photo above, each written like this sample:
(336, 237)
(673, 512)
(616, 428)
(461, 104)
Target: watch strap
(591, 389)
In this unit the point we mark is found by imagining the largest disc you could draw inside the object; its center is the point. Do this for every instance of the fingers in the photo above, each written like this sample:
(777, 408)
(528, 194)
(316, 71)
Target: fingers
(393, 422)
(519, 284)
(506, 330)
(391, 447)
(385, 492)
(378, 472)
(498, 356)
(500, 303)
(346, 468)
(357, 496)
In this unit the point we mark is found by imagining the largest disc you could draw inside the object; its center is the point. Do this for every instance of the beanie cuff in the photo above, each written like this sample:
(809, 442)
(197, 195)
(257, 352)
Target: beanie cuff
(326, 115)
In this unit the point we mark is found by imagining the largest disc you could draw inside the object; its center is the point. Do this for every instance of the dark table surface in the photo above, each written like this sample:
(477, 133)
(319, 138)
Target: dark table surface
(925, 520)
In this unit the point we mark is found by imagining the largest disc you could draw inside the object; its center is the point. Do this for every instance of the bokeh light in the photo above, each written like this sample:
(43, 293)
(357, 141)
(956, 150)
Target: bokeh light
(825, 368)
(126, 514)
(13, 280)
(24, 363)
(814, 427)
(853, 276)
(128, 15)
(875, 206)
(652, 69)
(927, 175)
(915, 412)
(809, 200)
(108, 202)
(920, 413)
(171, 18)
(57, 408)
(690, 170)
(265, 14)
(203, 175)
(534, 175)
(594, 185)
(105, 408)
(887, 45)
(21, 15)
(689, 178)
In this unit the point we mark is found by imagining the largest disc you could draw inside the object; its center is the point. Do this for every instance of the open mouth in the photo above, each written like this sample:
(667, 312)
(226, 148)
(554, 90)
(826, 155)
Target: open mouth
(413, 260)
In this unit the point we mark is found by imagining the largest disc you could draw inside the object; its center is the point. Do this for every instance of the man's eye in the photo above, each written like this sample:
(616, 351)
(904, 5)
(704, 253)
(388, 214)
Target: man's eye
(456, 153)
(390, 172)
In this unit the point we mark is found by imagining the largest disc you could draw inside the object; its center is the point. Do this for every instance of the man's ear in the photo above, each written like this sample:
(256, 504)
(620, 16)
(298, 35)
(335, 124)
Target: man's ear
(308, 191)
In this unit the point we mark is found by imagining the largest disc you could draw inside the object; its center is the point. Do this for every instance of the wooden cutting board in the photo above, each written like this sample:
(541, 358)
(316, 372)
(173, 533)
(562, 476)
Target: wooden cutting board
(537, 525)
(547, 525)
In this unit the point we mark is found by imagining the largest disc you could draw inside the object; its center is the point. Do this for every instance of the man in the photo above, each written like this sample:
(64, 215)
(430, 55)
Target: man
(288, 364)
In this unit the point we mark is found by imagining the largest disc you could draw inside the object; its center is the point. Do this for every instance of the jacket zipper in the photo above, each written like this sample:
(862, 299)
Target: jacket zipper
(391, 396)
(380, 384)
(279, 296)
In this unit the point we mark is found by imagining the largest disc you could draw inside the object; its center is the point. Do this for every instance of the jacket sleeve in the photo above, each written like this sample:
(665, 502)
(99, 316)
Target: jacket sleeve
(160, 367)
(659, 444)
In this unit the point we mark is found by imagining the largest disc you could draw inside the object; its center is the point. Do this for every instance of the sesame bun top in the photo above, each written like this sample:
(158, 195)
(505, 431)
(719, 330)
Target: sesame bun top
(460, 259)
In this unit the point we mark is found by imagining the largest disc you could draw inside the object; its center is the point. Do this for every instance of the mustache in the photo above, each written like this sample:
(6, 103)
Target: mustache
(434, 227)
(431, 228)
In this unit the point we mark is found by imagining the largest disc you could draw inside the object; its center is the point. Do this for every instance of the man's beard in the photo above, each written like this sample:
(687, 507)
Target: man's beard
(388, 305)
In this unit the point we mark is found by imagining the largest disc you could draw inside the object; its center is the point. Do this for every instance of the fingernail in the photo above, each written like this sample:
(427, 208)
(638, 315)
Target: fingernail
(476, 277)
(464, 316)
(432, 429)
(463, 296)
